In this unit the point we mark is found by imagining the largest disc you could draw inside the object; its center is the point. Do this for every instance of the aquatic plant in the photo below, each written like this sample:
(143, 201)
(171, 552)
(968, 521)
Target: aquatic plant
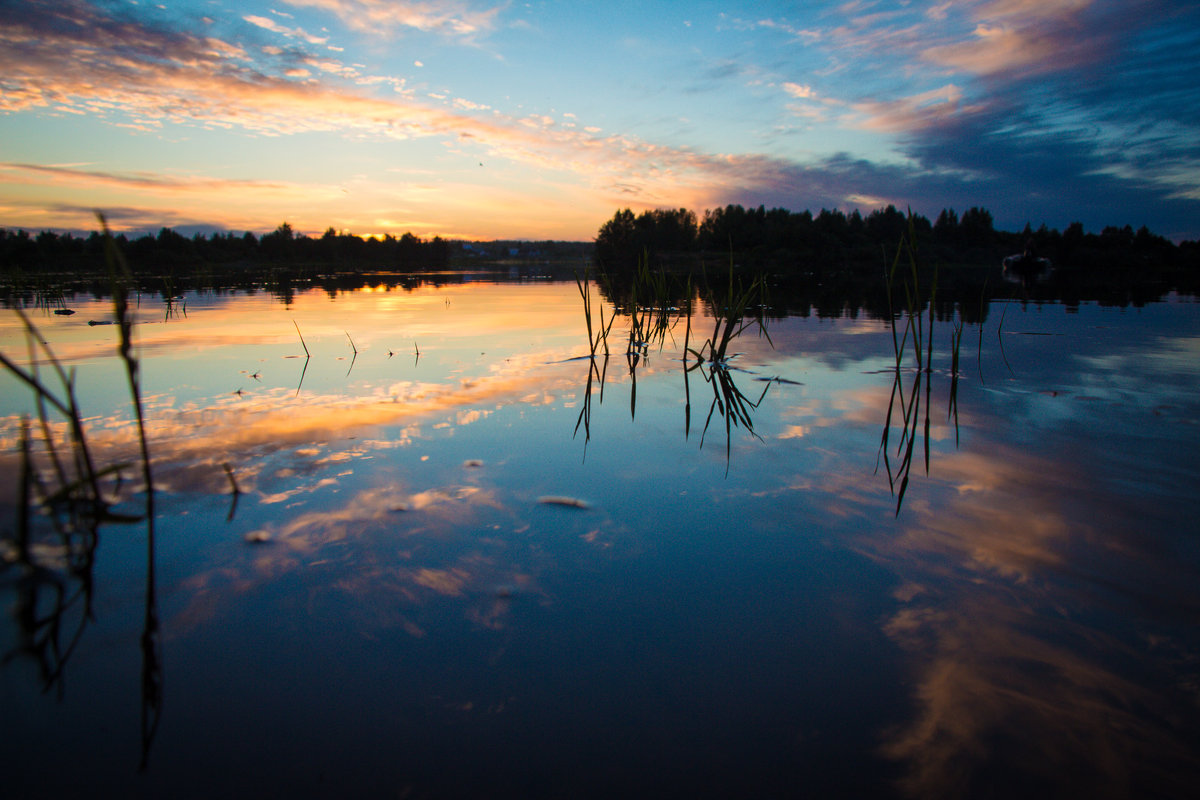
(121, 279)
(913, 401)
(731, 317)
(307, 358)
(76, 496)
(597, 338)
(652, 319)
(728, 401)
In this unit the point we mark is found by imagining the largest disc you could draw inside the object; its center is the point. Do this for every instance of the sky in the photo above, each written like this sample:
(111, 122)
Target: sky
(501, 119)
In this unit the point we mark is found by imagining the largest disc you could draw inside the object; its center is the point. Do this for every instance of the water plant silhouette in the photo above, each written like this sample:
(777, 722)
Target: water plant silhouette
(728, 400)
(652, 319)
(234, 490)
(307, 357)
(121, 279)
(732, 316)
(914, 400)
(597, 338)
(76, 496)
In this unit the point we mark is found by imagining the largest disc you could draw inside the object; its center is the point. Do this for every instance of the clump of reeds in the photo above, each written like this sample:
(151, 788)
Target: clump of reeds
(650, 310)
(913, 402)
(731, 318)
(652, 319)
(597, 334)
(597, 339)
(63, 481)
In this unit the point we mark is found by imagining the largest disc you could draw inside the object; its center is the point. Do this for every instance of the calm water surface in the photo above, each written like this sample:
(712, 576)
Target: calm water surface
(392, 608)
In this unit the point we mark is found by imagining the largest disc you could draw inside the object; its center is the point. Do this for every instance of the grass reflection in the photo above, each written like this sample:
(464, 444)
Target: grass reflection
(734, 407)
(648, 305)
(909, 405)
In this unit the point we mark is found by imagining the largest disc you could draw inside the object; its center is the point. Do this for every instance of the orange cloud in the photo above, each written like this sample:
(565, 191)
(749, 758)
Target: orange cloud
(1018, 36)
(916, 112)
(450, 17)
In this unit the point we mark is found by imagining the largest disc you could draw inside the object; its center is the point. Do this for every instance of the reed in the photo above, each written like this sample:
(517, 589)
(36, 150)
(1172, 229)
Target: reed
(598, 335)
(234, 491)
(301, 335)
(648, 306)
(78, 486)
(54, 598)
(152, 675)
(731, 318)
(917, 306)
(910, 403)
(728, 401)
(596, 376)
(353, 358)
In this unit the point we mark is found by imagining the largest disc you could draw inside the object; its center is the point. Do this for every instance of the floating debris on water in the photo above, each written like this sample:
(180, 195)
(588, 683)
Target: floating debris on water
(64, 312)
(557, 500)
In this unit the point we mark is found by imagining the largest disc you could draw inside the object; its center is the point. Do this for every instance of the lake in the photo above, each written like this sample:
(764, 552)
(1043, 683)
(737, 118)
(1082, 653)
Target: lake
(411, 540)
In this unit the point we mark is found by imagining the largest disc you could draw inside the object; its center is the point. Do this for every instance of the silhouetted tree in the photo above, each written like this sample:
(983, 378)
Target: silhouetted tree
(976, 228)
(279, 244)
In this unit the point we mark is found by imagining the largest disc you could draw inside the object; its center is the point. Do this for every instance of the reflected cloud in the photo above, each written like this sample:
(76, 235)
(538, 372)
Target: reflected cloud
(990, 690)
(394, 552)
(1008, 669)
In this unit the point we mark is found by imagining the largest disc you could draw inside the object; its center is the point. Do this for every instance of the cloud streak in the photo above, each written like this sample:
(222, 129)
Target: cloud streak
(378, 17)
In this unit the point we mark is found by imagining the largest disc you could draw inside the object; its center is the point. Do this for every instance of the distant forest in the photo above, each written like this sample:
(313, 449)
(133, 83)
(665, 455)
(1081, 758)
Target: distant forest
(168, 251)
(778, 237)
(826, 261)
(833, 261)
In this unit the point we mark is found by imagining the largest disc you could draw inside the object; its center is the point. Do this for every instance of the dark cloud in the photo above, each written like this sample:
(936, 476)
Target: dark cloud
(1104, 129)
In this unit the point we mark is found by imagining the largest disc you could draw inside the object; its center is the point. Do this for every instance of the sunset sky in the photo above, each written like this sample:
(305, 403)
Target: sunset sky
(539, 119)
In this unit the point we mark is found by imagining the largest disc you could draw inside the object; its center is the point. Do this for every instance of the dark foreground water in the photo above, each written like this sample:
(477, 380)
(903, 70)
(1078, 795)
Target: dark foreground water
(466, 563)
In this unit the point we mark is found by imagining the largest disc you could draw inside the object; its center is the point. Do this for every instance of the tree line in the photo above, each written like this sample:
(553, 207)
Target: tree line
(834, 239)
(169, 250)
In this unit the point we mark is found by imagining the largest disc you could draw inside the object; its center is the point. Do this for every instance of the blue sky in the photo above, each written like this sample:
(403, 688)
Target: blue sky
(540, 119)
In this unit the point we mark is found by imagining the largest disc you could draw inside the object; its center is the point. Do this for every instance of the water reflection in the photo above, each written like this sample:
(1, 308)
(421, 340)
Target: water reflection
(1016, 668)
(735, 408)
(65, 496)
(648, 306)
(384, 545)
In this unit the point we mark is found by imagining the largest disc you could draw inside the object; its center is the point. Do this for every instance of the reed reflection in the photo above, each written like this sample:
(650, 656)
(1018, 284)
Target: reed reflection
(912, 405)
(650, 305)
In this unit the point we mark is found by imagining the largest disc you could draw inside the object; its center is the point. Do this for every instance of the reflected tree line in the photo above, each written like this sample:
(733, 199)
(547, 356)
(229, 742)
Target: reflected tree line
(829, 263)
(45, 269)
